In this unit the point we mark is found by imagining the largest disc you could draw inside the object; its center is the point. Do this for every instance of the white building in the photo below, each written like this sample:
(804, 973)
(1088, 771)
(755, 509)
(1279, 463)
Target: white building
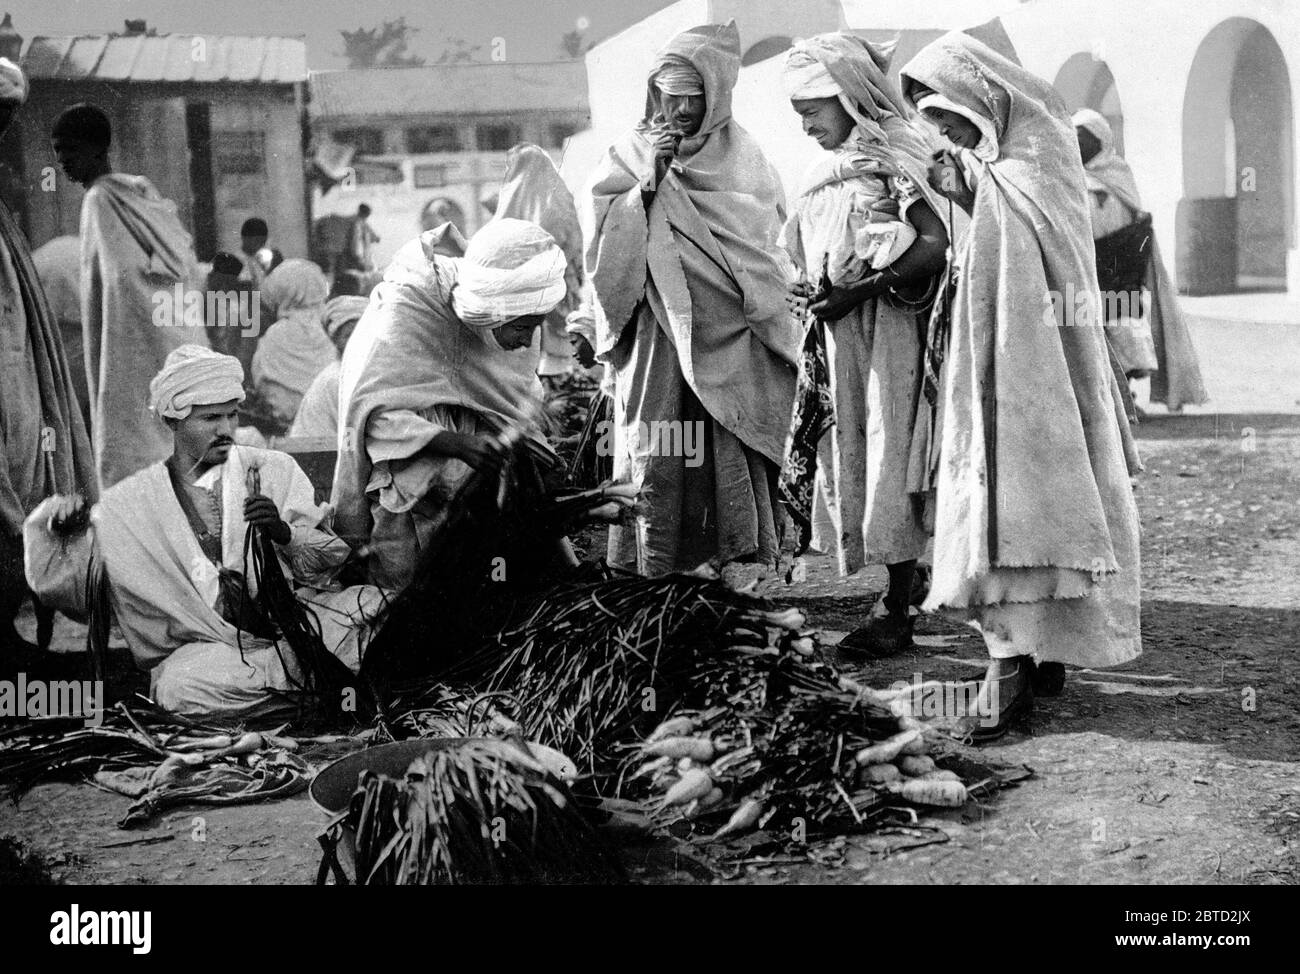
(1200, 92)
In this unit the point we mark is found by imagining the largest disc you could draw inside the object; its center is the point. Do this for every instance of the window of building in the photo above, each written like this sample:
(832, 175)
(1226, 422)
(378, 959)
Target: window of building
(239, 152)
(376, 173)
(496, 136)
(433, 138)
(430, 176)
(559, 131)
(366, 141)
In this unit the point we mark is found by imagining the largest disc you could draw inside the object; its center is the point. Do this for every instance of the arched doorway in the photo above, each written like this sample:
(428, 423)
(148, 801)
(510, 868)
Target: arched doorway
(1085, 81)
(1236, 222)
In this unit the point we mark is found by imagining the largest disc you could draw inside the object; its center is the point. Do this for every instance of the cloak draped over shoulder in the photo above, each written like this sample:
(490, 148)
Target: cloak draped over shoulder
(1036, 527)
(411, 353)
(44, 448)
(706, 250)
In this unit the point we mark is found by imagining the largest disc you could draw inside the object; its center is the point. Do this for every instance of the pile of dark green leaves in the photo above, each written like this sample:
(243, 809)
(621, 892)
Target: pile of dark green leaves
(479, 812)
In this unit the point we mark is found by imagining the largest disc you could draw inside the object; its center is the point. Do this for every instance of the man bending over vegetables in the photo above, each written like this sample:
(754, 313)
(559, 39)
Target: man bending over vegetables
(442, 362)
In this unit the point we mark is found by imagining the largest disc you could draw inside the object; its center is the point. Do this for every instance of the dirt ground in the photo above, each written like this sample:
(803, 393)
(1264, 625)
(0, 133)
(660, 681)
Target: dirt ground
(1177, 768)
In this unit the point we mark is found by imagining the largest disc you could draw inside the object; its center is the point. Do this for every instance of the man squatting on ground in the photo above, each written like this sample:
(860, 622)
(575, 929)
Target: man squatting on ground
(171, 538)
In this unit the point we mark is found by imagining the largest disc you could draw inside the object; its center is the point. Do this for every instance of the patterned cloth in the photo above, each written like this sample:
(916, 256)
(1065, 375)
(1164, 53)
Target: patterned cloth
(814, 414)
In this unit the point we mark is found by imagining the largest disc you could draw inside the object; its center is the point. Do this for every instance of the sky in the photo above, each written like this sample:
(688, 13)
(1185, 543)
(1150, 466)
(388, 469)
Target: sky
(530, 29)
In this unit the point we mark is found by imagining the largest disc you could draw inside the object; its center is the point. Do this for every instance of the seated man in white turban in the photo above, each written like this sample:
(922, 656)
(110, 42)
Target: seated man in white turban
(440, 364)
(172, 540)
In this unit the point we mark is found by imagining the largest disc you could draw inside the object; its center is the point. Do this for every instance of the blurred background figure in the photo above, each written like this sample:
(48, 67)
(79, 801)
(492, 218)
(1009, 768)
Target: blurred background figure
(1155, 343)
(534, 191)
(253, 236)
(136, 256)
(58, 264)
(318, 414)
(294, 350)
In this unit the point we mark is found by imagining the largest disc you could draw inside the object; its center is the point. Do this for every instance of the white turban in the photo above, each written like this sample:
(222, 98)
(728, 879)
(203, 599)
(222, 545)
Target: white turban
(511, 268)
(195, 376)
(13, 86)
(805, 77)
(678, 78)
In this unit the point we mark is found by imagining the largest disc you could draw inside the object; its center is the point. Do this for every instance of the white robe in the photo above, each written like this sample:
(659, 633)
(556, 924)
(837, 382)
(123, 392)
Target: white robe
(165, 589)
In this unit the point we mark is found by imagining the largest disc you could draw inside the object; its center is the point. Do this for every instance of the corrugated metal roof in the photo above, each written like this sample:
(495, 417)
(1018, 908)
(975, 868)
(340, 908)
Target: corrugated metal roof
(445, 89)
(167, 57)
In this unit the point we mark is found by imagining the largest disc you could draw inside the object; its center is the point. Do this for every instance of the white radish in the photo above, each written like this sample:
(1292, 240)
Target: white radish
(695, 783)
(915, 747)
(940, 775)
(886, 750)
(916, 765)
(944, 794)
(878, 774)
(673, 727)
(803, 645)
(696, 748)
(744, 817)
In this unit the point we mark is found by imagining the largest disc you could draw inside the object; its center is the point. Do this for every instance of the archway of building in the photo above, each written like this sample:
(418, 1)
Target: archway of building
(1236, 221)
(1085, 81)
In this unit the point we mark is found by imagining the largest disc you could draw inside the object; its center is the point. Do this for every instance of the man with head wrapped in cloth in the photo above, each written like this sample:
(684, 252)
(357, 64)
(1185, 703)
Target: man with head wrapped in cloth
(439, 366)
(172, 540)
(868, 220)
(681, 224)
(44, 448)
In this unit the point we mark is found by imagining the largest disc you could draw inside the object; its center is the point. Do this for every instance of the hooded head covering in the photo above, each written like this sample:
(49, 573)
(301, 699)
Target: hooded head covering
(705, 253)
(295, 348)
(342, 311)
(195, 376)
(511, 268)
(853, 71)
(13, 85)
(295, 285)
(850, 69)
(1107, 170)
(711, 54)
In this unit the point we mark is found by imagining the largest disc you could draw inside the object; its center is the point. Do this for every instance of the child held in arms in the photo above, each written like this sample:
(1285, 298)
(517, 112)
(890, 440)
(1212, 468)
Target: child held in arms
(866, 234)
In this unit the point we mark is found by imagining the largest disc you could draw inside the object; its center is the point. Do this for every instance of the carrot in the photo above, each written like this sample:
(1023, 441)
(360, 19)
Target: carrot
(673, 727)
(878, 774)
(695, 748)
(916, 747)
(744, 817)
(247, 744)
(695, 783)
(916, 765)
(711, 799)
(650, 767)
(945, 794)
(205, 743)
(886, 750)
